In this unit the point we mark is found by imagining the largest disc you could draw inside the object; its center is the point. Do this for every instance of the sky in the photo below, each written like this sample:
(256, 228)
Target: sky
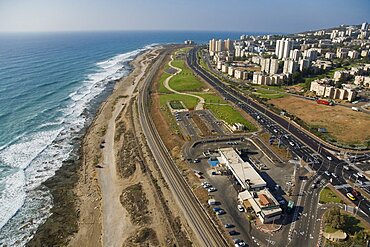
(273, 16)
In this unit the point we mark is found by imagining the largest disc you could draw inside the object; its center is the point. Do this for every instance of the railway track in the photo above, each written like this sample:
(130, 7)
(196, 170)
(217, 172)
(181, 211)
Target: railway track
(202, 225)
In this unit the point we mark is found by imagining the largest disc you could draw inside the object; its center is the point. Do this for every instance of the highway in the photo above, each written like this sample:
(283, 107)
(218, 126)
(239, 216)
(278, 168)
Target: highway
(203, 227)
(291, 136)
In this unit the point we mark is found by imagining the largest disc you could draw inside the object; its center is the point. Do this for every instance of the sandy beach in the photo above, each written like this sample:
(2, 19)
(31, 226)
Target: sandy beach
(114, 195)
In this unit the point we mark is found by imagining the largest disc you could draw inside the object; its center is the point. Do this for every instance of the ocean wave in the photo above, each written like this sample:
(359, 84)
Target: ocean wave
(36, 156)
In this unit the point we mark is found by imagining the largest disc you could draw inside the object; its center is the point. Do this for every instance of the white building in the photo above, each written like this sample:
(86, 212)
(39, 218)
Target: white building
(362, 80)
(364, 26)
(342, 52)
(310, 54)
(364, 53)
(329, 55)
(269, 65)
(290, 66)
(353, 54)
(295, 54)
(323, 88)
(244, 172)
(263, 203)
(283, 48)
(230, 71)
(255, 194)
(304, 64)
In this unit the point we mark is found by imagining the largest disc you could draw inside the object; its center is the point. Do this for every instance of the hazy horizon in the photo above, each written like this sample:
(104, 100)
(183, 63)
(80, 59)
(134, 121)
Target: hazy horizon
(266, 16)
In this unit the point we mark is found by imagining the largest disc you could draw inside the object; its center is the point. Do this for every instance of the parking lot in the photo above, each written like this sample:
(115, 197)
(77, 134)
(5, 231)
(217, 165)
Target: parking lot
(277, 177)
(200, 123)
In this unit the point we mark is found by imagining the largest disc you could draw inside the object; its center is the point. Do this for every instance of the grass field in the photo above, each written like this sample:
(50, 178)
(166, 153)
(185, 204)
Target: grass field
(338, 120)
(189, 102)
(211, 98)
(162, 88)
(229, 115)
(186, 80)
(267, 94)
(328, 196)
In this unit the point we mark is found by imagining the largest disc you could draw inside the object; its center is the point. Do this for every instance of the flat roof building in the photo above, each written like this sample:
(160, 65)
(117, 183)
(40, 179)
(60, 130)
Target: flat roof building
(264, 204)
(244, 172)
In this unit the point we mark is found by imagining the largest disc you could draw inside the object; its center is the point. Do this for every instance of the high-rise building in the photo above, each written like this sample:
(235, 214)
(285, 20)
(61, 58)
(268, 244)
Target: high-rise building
(283, 47)
(228, 45)
(310, 54)
(364, 26)
(274, 66)
(290, 66)
(288, 45)
(295, 54)
(212, 45)
(269, 66)
(304, 64)
(219, 45)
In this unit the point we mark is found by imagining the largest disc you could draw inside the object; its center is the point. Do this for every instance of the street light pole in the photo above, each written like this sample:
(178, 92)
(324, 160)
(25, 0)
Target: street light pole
(358, 205)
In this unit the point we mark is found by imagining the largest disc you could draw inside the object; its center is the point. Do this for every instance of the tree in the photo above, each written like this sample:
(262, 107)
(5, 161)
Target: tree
(297, 77)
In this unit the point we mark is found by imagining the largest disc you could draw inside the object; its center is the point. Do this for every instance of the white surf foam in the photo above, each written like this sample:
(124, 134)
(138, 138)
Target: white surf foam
(34, 158)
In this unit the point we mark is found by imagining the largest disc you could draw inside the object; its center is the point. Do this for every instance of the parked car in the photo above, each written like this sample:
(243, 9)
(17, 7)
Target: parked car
(240, 208)
(233, 232)
(239, 242)
(220, 212)
(228, 225)
(206, 186)
(351, 197)
(212, 189)
(216, 209)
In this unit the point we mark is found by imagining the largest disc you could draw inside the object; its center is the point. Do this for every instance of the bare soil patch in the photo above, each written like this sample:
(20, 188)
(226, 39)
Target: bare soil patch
(342, 123)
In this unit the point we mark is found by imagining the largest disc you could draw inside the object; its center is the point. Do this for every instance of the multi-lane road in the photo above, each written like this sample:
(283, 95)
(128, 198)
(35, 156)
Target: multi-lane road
(300, 143)
(203, 227)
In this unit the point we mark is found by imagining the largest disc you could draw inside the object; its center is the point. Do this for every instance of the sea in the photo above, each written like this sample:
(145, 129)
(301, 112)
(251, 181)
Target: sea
(48, 81)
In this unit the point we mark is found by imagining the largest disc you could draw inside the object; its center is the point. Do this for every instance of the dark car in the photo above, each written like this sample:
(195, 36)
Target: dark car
(233, 232)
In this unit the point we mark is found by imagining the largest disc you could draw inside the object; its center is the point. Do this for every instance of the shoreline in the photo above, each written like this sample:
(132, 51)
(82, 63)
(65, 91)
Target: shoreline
(75, 180)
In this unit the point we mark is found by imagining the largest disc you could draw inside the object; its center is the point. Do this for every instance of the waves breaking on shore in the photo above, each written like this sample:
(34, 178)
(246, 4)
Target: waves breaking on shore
(30, 159)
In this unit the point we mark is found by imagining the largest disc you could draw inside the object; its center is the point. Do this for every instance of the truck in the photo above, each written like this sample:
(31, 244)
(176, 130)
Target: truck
(290, 207)
(355, 109)
(325, 102)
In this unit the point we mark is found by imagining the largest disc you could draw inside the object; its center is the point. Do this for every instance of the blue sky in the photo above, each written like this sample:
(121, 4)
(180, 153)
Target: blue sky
(212, 15)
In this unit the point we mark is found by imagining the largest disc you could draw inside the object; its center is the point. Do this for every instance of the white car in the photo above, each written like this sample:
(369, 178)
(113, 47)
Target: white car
(212, 189)
(240, 208)
(207, 186)
(329, 158)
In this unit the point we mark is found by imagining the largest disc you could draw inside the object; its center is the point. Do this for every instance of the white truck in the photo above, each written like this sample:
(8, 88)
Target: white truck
(355, 108)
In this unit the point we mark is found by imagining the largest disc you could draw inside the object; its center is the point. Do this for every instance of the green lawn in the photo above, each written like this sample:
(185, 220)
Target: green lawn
(186, 80)
(211, 98)
(189, 102)
(328, 196)
(229, 115)
(162, 88)
(267, 94)
(272, 88)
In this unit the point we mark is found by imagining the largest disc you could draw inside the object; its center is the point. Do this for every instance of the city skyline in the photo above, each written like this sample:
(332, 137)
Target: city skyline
(267, 17)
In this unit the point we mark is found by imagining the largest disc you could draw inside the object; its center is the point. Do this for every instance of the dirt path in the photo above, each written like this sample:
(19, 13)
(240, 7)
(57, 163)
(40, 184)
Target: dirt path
(115, 228)
(200, 105)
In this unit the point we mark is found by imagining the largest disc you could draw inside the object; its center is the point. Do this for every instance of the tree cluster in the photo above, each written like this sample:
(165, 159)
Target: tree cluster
(335, 219)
